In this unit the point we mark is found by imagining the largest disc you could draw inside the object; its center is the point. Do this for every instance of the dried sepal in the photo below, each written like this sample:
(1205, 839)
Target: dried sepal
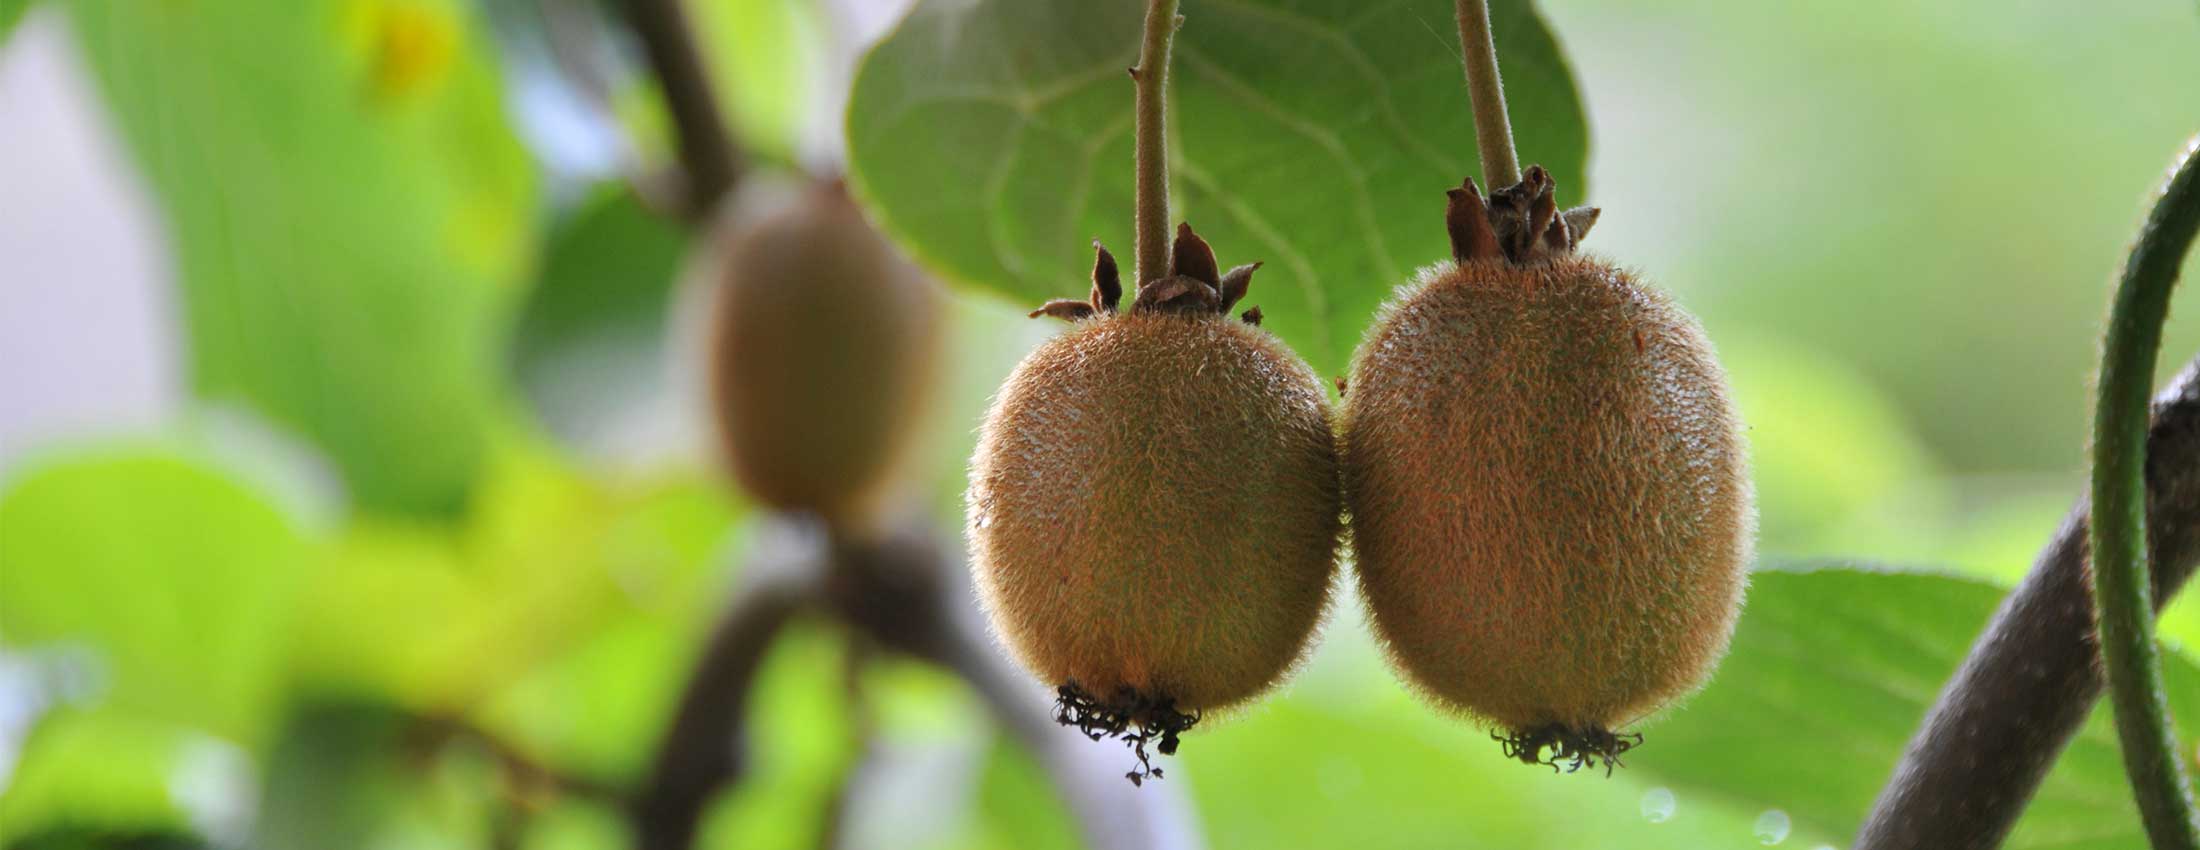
(1520, 223)
(1177, 292)
(1578, 221)
(1195, 284)
(1066, 309)
(1468, 220)
(1107, 280)
(1234, 284)
(1252, 316)
(1193, 258)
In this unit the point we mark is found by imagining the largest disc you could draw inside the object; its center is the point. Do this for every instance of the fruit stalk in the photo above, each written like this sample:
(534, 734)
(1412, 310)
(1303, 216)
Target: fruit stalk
(1492, 129)
(2121, 593)
(708, 155)
(1151, 79)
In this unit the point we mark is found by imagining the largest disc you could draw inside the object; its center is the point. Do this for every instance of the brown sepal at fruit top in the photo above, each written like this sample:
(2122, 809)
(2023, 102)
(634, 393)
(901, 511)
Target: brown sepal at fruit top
(1195, 284)
(1519, 223)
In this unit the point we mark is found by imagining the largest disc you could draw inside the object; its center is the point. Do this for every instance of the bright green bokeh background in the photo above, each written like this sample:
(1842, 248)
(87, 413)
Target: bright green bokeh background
(1897, 220)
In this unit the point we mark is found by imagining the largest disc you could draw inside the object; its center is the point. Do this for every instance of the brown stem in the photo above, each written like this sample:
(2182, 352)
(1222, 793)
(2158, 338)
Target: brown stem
(1151, 82)
(704, 751)
(905, 594)
(2034, 675)
(709, 158)
(522, 772)
(1493, 133)
(915, 597)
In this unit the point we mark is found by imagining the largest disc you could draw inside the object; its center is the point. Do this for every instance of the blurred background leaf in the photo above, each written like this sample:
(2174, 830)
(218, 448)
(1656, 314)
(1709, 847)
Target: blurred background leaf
(993, 139)
(590, 345)
(86, 776)
(171, 572)
(348, 209)
(11, 13)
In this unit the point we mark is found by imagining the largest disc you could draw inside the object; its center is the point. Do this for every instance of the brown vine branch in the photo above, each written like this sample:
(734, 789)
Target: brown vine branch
(525, 776)
(2034, 675)
(710, 160)
(902, 593)
(704, 750)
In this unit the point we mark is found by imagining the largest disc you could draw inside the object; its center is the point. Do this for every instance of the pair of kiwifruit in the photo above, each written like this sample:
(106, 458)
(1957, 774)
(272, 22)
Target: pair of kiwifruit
(1548, 501)
(1549, 506)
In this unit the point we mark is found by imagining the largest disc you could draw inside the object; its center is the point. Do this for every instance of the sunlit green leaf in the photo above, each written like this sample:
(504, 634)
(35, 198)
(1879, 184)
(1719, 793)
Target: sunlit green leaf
(765, 58)
(799, 742)
(1831, 670)
(1017, 808)
(92, 773)
(174, 574)
(347, 208)
(439, 619)
(992, 138)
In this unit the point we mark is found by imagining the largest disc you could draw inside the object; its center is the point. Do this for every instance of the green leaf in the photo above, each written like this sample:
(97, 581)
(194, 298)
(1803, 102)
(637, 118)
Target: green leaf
(439, 619)
(348, 209)
(355, 776)
(174, 573)
(992, 139)
(1831, 670)
(98, 772)
(590, 340)
(11, 13)
(1348, 738)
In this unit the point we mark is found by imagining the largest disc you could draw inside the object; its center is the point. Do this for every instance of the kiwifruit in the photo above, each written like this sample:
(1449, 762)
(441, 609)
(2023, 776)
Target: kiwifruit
(823, 345)
(1550, 505)
(1154, 505)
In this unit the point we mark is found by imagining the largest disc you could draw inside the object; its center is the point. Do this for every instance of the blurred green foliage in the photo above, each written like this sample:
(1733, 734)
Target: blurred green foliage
(11, 13)
(348, 209)
(1878, 217)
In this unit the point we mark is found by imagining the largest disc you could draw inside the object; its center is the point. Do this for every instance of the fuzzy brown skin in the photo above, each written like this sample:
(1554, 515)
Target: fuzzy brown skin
(1154, 506)
(824, 343)
(1550, 502)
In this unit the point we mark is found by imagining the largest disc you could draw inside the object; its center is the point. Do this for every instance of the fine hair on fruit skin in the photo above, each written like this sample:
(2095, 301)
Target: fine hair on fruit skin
(1154, 504)
(1551, 508)
(824, 342)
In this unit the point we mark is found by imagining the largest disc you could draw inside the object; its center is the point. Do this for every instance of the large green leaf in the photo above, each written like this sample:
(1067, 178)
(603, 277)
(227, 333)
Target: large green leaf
(1832, 670)
(175, 574)
(992, 138)
(345, 202)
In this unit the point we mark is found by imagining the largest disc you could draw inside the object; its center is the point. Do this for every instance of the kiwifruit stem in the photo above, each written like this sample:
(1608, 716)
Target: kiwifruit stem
(709, 157)
(1151, 79)
(2121, 587)
(1492, 129)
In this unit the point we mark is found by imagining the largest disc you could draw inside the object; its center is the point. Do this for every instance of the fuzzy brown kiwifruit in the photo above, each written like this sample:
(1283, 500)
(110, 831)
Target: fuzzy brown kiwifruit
(1550, 504)
(823, 348)
(1154, 505)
